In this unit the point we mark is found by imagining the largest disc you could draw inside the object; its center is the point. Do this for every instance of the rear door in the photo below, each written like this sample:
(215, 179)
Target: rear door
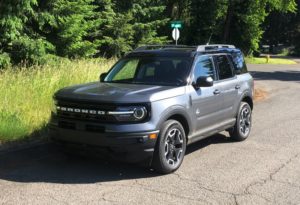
(228, 85)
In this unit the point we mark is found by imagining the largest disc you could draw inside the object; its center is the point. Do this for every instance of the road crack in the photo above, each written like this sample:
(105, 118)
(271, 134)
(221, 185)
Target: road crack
(269, 178)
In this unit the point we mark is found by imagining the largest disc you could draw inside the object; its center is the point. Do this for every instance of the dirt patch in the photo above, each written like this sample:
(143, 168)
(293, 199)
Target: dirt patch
(260, 94)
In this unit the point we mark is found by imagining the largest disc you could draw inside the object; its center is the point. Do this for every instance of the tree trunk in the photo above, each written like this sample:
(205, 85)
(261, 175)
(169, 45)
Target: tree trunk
(228, 21)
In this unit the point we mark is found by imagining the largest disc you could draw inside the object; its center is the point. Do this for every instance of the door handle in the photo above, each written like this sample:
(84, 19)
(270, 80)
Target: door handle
(237, 87)
(217, 92)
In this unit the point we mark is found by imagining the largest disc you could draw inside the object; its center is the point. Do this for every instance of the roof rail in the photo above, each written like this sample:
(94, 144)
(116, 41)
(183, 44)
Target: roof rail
(200, 48)
(212, 47)
(151, 47)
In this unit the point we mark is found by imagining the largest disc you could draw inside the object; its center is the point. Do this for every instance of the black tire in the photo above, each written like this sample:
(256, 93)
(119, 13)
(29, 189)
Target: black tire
(243, 124)
(169, 151)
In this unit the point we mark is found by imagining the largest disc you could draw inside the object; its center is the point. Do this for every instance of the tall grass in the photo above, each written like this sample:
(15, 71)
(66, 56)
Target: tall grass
(276, 61)
(26, 93)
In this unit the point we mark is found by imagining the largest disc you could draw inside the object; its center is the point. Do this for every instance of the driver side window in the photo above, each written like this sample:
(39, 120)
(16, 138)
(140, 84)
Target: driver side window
(204, 67)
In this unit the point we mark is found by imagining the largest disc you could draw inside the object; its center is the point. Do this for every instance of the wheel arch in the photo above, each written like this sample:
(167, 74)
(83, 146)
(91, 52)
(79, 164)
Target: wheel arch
(181, 116)
(248, 100)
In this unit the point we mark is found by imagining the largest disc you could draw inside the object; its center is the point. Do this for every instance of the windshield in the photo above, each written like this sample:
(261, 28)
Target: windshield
(171, 71)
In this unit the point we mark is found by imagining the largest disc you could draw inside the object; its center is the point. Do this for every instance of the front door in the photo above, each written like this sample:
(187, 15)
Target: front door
(206, 101)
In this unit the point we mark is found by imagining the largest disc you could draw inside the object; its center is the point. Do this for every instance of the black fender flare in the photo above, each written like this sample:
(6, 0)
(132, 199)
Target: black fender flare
(176, 110)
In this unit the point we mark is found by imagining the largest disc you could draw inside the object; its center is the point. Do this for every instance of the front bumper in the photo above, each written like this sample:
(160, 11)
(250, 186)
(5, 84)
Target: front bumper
(134, 147)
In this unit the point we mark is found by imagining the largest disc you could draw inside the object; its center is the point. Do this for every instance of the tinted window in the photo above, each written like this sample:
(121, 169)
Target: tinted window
(239, 62)
(204, 67)
(224, 67)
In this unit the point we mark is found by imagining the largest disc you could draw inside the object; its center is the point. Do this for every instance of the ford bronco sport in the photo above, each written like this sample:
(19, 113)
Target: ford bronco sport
(155, 101)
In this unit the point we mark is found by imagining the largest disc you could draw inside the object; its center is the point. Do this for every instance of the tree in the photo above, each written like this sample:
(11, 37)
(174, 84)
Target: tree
(295, 24)
(17, 41)
(236, 22)
(114, 34)
(75, 19)
(207, 18)
(125, 25)
(149, 18)
(33, 30)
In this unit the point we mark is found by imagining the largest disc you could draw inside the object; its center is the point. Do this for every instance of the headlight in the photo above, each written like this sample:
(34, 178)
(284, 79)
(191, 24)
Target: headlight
(132, 113)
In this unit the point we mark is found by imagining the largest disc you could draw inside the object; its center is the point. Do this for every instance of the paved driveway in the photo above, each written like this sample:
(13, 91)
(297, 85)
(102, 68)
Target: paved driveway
(265, 169)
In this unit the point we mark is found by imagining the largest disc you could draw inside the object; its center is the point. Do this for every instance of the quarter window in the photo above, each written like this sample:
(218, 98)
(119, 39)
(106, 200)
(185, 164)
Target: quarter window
(224, 67)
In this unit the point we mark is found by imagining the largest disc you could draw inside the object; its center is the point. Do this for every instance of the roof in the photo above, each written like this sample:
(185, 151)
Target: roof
(181, 50)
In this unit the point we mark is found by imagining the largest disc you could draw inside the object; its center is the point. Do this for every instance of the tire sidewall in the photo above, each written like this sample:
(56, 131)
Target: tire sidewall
(240, 134)
(164, 167)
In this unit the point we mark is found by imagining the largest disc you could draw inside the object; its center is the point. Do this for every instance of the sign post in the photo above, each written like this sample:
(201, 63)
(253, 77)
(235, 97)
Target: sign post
(176, 25)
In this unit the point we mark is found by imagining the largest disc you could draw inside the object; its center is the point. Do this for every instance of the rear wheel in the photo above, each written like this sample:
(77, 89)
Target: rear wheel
(170, 148)
(242, 128)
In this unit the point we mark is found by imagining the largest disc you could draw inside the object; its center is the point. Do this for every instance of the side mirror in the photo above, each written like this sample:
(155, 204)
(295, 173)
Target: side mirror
(204, 81)
(102, 77)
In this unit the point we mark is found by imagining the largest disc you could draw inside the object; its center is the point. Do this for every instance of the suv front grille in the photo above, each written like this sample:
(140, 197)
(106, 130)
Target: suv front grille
(85, 112)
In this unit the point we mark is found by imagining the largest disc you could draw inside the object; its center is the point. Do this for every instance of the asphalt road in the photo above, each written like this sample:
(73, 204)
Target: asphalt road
(265, 169)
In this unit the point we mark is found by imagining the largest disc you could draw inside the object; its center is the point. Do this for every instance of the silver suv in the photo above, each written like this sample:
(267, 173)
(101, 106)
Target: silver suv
(154, 102)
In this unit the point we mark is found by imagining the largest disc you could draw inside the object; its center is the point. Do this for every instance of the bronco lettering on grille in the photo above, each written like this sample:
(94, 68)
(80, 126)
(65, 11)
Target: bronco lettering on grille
(77, 110)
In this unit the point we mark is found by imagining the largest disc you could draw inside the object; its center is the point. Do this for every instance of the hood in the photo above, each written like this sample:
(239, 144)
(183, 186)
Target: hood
(118, 93)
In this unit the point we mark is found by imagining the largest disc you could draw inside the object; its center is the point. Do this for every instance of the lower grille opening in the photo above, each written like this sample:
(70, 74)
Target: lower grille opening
(94, 128)
(66, 125)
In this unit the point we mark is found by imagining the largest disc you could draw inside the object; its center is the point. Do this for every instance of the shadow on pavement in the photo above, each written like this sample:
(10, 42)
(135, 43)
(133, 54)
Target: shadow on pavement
(45, 163)
(277, 75)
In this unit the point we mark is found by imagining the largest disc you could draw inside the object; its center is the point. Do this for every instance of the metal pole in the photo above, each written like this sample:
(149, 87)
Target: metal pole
(176, 36)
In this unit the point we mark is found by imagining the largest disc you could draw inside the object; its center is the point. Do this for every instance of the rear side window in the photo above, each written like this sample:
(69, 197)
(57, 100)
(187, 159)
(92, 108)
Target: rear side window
(239, 62)
(224, 67)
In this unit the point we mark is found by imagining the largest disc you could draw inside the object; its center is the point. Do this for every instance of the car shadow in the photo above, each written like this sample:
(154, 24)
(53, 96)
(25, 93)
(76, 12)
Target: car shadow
(219, 138)
(289, 75)
(46, 163)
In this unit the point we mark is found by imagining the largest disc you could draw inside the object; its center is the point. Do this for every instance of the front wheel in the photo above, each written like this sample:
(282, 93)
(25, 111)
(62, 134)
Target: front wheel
(242, 128)
(170, 148)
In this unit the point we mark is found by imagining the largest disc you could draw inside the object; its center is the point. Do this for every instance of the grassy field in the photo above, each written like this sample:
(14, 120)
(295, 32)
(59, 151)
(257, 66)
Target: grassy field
(26, 94)
(263, 60)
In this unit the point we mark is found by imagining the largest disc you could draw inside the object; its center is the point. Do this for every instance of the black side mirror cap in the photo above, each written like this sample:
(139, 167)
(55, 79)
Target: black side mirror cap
(204, 81)
(102, 77)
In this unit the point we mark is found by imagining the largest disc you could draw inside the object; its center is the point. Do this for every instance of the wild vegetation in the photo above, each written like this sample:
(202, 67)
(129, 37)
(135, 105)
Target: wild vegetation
(36, 31)
(26, 93)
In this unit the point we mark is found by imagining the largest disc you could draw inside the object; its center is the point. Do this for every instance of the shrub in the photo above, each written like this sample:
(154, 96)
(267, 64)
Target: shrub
(4, 60)
(33, 51)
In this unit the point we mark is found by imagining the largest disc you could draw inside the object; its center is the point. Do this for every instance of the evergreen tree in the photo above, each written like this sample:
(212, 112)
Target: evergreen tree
(148, 19)
(125, 25)
(33, 30)
(114, 34)
(75, 20)
(18, 41)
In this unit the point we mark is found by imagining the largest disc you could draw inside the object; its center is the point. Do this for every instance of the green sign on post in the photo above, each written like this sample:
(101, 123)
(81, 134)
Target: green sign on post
(176, 24)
